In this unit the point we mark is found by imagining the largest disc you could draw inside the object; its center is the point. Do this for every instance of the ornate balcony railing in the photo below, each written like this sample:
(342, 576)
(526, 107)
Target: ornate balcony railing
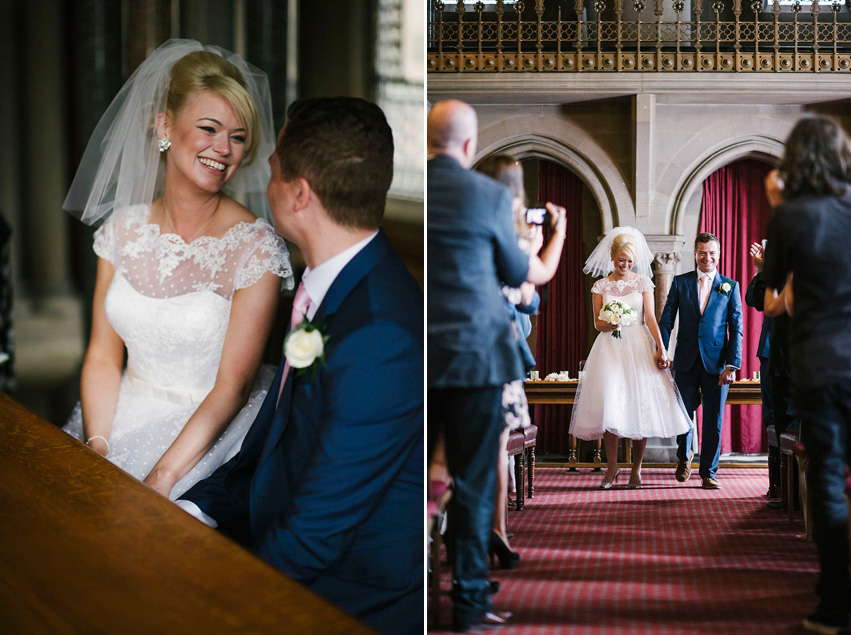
(634, 35)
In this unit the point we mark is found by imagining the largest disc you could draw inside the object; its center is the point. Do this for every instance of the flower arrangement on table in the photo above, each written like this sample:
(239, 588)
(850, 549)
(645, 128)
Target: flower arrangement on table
(618, 313)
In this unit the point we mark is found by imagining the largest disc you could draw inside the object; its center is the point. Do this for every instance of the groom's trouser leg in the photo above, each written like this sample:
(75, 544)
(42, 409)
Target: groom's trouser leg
(472, 422)
(688, 383)
(825, 417)
(714, 398)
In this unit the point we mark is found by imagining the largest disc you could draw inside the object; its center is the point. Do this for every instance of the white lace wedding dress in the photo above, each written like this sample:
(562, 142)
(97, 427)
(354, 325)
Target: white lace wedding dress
(622, 390)
(170, 302)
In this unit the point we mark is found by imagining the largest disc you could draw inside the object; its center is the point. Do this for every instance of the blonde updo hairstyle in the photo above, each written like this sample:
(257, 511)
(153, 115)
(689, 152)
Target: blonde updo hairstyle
(623, 243)
(204, 71)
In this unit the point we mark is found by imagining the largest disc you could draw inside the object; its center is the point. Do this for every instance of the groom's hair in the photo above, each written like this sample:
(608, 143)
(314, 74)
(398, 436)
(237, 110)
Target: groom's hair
(343, 147)
(706, 237)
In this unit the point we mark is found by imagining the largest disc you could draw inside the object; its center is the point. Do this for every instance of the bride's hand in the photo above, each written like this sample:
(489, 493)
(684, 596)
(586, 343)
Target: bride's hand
(159, 482)
(662, 360)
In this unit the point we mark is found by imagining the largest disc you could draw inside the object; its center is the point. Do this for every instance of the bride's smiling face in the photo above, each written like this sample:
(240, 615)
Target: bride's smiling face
(207, 142)
(623, 263)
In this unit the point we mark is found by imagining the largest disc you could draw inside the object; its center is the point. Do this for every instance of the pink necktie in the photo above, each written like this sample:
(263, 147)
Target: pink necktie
(703, 291)
(301, 302)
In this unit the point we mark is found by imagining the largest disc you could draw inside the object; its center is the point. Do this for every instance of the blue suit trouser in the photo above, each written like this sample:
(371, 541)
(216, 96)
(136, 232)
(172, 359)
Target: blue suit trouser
(471, 420)
(825, 417)
(696, 385)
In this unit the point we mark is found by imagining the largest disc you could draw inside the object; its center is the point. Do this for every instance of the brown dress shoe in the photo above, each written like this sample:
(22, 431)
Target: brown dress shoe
(710, 483)
(683, 471)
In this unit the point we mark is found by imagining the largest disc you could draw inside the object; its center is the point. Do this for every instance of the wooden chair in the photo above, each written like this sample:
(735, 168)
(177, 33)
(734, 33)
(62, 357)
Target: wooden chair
(521, 445)
(773, 462)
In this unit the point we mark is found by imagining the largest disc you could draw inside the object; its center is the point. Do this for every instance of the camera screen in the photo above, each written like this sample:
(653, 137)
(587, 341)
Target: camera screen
(536, 215)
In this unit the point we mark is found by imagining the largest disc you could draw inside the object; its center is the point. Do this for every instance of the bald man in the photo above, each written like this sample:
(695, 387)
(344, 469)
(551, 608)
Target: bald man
(472, 353)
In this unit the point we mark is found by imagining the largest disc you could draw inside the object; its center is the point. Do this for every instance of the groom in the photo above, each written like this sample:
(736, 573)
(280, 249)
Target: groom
(328, 486)
(708, 353)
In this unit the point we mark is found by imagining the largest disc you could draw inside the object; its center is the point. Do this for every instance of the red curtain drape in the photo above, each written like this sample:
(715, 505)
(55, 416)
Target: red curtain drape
(735, 209)
(561, 325)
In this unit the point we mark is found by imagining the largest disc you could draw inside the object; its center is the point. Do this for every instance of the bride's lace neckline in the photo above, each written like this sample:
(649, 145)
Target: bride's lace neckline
(177, 239)
(622, 284)
(170, 250)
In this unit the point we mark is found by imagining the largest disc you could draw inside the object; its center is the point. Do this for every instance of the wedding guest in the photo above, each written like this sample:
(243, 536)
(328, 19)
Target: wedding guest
(187, 278)
(328, 486)
(775, 380)
(809, 234)
(754, 296)
(520, 303)
(472, 352)
(626, 389)
(708, 353)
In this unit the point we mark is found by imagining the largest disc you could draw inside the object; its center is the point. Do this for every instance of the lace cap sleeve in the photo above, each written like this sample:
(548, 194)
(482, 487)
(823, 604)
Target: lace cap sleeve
(645, 284)
(267, 254)
(600, 286)
(104, 242)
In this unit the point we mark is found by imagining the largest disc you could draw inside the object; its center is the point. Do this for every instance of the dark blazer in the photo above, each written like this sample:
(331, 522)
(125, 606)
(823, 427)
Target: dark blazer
(328, 487)
(715, 335)
(755, 297)
(472, 250)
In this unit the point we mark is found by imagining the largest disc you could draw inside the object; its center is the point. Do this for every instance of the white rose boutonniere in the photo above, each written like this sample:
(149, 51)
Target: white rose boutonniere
(724, 289)
(304, 347)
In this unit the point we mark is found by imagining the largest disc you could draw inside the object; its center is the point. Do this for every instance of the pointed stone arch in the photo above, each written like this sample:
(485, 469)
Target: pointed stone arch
(565, 144)
(763, 148)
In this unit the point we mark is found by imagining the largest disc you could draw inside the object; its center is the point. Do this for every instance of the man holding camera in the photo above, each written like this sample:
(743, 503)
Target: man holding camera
(472, 249)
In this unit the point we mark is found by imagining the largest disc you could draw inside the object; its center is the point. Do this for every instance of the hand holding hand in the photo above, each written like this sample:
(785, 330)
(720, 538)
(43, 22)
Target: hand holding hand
(662, 361)
(727, 377)
(159, 482)
(757, 255)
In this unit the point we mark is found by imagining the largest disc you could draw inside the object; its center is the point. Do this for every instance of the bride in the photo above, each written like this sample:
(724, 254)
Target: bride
(187, 278)
(626, 389)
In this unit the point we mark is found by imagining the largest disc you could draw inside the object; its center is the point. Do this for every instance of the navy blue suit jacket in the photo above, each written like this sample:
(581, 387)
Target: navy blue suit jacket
(472, 250)
(715, 335)
(328, 487)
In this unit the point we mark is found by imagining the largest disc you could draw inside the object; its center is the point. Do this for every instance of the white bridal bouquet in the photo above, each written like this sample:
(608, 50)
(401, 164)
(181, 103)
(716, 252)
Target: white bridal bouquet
(617, 313)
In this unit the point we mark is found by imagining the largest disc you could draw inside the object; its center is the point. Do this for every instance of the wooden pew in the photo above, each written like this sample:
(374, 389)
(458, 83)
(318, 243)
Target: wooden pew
(84, 547)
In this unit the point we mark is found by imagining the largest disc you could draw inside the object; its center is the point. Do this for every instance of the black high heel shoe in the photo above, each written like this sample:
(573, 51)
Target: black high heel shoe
(508, 559)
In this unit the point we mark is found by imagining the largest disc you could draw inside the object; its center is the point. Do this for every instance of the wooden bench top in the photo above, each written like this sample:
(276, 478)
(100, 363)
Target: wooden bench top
(85, 547)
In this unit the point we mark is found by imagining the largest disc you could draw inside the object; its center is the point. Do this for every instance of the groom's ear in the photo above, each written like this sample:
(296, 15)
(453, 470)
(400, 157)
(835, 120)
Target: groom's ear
(303, 194)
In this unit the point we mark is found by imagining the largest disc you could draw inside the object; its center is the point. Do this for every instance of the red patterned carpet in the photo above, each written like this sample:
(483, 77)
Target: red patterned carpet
(668, 558)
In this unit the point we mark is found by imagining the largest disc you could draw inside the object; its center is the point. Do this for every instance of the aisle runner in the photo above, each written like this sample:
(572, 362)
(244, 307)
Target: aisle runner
(668, 558)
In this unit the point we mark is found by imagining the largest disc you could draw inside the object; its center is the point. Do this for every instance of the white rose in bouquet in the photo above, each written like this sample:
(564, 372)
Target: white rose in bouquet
(618, 313)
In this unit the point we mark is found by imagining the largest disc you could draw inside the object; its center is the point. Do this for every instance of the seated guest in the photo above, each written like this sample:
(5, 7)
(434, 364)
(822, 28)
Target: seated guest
(328, 485)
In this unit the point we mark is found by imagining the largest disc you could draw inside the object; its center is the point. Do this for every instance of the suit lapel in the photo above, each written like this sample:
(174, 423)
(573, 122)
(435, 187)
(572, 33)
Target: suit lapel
(713, 291)
(357, 268)
(691, 291)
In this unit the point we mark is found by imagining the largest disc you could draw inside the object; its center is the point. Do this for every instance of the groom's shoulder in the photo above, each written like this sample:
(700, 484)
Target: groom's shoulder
(387, 294)
(682, 277)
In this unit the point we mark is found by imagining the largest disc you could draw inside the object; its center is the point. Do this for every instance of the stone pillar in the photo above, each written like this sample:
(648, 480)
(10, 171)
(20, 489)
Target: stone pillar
(664, 269)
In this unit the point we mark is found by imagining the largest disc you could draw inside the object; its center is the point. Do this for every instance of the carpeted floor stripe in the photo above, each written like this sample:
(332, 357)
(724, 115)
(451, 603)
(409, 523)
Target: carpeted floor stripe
(667, 558)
